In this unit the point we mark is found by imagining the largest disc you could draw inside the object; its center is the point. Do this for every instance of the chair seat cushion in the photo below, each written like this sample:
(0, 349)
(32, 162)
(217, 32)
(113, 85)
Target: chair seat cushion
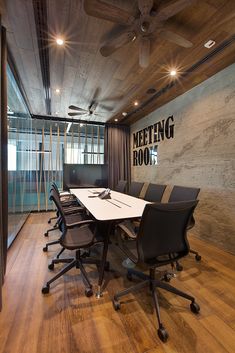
(78, 238)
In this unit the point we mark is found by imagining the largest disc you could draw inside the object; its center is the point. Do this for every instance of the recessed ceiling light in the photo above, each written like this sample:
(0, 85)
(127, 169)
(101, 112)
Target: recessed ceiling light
(59, 41)
(151, 91)
(136, 103)
(57, 91)
(173, 72)
(124, 113)
(210, 43)
(116, 120)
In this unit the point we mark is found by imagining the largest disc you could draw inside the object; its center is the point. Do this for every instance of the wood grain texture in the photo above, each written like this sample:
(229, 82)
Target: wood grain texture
(78, 69)
(67, 321)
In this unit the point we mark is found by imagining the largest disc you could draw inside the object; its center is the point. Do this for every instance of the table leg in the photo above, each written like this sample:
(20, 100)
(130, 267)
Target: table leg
(99, 293)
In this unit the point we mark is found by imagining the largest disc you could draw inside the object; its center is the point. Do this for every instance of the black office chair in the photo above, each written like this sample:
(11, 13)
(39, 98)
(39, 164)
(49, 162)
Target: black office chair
(154, 192)
(183, 193)
(161, 240)
(69, 202)
(64, 196)
(135, 188)
(77, 236)
(72, 213)
(121, 186)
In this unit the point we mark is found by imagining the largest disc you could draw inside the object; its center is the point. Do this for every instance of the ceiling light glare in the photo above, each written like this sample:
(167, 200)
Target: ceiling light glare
(57, 91)
(136, 103)
(81, 124)
(116, 120)
(60, 41)
(173, 72)
(124, 113)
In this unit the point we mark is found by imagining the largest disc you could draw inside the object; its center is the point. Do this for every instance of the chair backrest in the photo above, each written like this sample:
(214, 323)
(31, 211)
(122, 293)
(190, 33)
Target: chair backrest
(56, 199)
(135, 188)
(183, 193)
(154, 192)
(121, 186)
(162, 232)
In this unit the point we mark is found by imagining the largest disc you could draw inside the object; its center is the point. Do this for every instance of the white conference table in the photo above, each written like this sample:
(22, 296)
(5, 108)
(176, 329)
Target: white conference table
(119, 207)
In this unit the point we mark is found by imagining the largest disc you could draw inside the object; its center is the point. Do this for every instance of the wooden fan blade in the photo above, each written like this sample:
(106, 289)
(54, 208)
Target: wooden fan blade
(74, 107)
(106, 107)
(144, 52)
(100, 9)
(176, 38)
(145, 7)
(75, 114)
(117, 42)
(112, 99)
(171, 8)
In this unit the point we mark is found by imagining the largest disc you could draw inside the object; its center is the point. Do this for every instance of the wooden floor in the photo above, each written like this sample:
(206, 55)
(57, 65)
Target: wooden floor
(65, 321)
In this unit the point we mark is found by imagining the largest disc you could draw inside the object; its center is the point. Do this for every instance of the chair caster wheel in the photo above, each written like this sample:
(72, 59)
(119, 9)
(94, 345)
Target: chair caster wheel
(167, 277)
(45, 249)
(88, 292)
(46, 289)
(179, 267)
(129, 276)
(107, 266)
(51, 266)
(195, 308)
(116, 304)
(46, 234)
(162, 334)
(198, 257)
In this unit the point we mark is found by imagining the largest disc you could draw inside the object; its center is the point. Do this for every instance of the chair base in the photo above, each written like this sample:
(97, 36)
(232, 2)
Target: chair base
(197, 256)
(72, 262)
(153, 284)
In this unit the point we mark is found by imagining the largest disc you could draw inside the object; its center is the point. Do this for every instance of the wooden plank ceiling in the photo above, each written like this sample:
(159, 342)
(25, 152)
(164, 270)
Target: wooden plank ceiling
(117, 81)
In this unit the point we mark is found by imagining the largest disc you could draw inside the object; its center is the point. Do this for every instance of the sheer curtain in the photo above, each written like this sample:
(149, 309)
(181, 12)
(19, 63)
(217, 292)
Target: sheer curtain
(3, 159)
(117, 153)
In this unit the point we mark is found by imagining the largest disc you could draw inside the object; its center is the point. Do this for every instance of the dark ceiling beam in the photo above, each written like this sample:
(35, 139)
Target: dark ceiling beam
(65, 120)
(75, 121)
(186, 74)
(40, 16)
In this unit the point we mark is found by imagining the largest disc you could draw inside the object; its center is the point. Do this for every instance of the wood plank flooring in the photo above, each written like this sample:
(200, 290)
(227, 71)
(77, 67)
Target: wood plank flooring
(67, 321)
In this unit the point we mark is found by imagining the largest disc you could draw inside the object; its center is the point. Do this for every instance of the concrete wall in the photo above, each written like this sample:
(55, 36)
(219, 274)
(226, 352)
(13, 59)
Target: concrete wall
(201, 154)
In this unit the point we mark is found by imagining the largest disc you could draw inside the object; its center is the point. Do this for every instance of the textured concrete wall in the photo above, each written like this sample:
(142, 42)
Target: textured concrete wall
(201, 154)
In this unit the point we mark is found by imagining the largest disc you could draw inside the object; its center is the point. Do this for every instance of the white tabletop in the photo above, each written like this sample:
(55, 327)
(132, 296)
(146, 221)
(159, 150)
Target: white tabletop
(120, 206)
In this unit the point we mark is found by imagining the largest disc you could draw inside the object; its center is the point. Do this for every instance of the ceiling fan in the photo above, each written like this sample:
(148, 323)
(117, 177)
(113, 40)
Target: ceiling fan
(146, 25)
(95, 101)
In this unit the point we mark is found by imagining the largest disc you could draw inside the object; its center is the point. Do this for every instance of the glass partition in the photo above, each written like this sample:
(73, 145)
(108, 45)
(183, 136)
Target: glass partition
(37, 150)
(19, 159)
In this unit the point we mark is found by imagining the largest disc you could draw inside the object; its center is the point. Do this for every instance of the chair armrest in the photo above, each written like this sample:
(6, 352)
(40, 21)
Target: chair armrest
(80, 223)
(127, 230)
(65, 193)
(72, 210)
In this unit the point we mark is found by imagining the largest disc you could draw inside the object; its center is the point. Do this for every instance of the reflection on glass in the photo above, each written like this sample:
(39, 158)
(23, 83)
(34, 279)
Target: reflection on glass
(37, 150)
